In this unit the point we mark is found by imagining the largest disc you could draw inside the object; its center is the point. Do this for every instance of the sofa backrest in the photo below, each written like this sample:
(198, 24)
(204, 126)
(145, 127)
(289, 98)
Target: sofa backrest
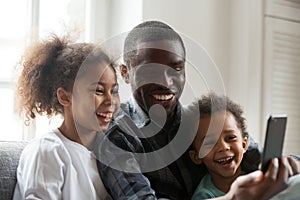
(10, 152)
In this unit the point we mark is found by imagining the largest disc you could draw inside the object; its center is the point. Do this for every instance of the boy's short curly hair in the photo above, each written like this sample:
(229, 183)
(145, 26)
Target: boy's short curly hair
(212, 103)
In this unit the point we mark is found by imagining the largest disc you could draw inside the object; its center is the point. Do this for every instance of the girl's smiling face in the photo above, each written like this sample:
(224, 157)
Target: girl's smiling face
(96, 100)
(107, 100)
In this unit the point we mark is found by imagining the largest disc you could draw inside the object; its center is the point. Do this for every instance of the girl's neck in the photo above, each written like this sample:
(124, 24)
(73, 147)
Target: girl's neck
(84, 138)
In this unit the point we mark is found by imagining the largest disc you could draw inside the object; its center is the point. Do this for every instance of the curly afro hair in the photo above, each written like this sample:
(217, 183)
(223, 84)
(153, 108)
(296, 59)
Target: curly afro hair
(48, 65)
(212, 103)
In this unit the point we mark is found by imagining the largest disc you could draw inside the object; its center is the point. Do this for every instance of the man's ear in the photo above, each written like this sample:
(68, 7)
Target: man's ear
(125, 73)
(64, 97)
(245, 144)
(195, 157)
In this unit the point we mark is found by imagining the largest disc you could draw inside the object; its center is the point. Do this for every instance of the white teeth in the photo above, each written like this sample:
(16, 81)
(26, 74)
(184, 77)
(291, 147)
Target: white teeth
(224, 159)
(105, 115)
(163, 97)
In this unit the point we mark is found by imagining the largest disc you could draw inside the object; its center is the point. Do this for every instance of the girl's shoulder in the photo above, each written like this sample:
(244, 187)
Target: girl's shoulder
(50, 138)
(48, 144)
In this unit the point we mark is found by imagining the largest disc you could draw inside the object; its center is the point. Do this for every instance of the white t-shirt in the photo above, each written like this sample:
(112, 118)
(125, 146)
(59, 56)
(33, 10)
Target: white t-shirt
(54, 167)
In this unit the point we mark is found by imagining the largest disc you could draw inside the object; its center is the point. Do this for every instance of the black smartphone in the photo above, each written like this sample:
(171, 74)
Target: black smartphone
(274, 139)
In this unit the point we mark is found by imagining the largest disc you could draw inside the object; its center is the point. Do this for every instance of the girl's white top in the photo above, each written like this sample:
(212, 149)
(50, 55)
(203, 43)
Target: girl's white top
(54, 167)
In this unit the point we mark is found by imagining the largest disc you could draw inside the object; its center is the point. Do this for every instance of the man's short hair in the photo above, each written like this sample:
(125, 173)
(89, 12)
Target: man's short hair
(145, 32)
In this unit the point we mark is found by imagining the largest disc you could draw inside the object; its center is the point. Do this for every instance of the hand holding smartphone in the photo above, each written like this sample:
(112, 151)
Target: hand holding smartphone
(274, 139)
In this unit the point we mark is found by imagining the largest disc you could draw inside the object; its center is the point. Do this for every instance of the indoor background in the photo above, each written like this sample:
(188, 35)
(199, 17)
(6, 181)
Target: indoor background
(254, 44)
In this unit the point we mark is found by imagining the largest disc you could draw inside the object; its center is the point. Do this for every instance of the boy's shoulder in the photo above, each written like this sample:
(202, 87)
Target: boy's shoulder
(206, 189)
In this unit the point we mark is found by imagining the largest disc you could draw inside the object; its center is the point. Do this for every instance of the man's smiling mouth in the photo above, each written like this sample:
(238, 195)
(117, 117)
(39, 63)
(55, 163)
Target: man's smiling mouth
(163, 97)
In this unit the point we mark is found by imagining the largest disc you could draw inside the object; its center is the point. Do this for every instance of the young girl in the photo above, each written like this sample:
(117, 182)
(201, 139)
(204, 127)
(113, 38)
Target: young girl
(78, 81)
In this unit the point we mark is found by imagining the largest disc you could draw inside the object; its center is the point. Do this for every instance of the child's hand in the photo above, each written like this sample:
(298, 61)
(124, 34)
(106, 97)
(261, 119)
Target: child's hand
(257, 185)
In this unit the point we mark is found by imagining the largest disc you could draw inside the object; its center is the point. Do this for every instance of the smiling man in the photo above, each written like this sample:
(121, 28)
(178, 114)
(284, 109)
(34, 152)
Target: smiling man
(154, 66)
(157, 74)
(145, 153)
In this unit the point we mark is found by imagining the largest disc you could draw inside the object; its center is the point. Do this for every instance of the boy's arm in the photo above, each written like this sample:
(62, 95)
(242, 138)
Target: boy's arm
(257, 185)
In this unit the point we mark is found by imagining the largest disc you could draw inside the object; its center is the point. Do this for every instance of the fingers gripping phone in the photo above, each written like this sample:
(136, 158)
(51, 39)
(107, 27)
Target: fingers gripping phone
(274, 139)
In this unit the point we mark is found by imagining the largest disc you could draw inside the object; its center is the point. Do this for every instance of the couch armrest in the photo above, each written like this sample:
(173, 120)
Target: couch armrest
(10, 152)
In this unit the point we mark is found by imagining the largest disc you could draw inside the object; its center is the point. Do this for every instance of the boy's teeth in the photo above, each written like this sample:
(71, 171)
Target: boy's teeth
(163, 97)
(224, 159)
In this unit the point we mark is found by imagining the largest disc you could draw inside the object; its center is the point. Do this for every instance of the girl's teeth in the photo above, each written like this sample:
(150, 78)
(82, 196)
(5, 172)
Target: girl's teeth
(105, 115)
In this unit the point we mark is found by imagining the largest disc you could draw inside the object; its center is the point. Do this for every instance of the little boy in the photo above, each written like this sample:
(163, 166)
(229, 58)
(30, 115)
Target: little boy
(220, 143)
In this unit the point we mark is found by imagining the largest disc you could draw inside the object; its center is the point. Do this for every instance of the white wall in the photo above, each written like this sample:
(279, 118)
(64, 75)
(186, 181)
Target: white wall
(205, 21)
(231, 32)
(245, 70)
(112, 17)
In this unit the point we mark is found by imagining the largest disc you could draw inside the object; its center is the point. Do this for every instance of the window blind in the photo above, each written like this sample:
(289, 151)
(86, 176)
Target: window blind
(282, 77)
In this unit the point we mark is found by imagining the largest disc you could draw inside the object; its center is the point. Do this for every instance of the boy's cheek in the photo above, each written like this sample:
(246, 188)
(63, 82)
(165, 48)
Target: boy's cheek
(205, 150)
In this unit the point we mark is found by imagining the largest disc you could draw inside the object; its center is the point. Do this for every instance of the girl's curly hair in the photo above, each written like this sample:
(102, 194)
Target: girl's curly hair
(48, 65)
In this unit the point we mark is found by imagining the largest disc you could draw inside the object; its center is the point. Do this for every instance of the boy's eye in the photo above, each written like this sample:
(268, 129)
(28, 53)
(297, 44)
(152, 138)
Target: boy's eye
(231, 137)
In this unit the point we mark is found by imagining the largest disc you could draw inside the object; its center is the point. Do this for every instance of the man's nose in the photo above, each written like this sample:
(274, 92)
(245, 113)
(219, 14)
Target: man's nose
(163, 76)
(166, 77)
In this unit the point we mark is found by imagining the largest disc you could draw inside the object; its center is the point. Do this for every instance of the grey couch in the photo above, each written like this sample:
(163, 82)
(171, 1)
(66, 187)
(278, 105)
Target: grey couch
(9, 158)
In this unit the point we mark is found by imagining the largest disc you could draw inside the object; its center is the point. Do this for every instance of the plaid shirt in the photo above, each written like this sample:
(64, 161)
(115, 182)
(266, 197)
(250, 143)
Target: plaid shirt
(178, 180)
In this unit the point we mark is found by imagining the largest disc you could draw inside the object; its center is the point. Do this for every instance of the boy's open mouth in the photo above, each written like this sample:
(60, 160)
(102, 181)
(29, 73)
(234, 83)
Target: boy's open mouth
(224, 161)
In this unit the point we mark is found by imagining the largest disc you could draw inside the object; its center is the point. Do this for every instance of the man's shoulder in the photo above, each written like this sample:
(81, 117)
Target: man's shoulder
(125, 106)
(122, 134)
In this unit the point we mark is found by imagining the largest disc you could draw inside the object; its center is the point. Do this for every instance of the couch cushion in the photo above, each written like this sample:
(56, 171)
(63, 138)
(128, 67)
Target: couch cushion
(9, 157)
